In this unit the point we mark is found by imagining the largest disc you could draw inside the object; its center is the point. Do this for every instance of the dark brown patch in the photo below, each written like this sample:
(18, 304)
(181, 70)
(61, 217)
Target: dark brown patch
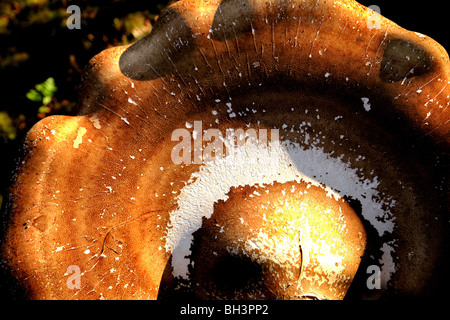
(232, 18)
(404, 59)
(165, 51)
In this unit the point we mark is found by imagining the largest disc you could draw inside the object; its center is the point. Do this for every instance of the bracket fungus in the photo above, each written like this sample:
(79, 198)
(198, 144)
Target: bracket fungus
(357, 175)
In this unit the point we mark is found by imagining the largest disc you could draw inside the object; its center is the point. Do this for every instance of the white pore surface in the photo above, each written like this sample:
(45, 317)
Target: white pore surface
(265, 164)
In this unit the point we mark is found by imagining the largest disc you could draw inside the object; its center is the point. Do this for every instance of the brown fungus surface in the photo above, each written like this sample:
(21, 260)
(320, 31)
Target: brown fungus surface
(361, 115)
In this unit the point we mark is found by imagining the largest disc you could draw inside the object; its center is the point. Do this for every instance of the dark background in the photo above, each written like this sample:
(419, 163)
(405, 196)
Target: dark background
(430, 18)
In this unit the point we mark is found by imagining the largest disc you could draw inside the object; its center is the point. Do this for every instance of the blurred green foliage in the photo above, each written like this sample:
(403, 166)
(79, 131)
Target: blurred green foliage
(43, 92)
(7, 126)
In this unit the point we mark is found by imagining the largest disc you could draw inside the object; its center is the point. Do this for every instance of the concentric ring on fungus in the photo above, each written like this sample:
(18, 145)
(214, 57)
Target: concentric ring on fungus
(349, 168)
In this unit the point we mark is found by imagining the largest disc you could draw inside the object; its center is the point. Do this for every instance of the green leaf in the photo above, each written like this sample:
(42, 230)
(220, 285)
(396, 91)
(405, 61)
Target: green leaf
(44, 109)
(47, 88)
(43, 92)
(46, 100)
(33, 95)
